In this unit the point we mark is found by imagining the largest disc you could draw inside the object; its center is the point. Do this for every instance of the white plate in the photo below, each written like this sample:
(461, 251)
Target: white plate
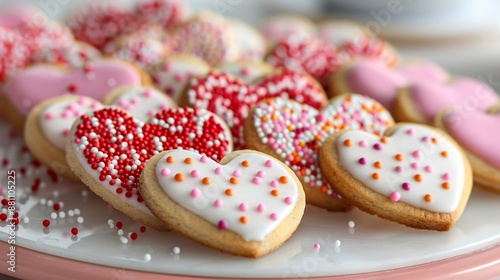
(372, 245)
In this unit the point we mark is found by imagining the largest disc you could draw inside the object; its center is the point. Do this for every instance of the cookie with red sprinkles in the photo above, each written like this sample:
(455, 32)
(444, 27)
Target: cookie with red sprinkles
(166, 13)
(232, 99)
(295, 132)
(108, 148)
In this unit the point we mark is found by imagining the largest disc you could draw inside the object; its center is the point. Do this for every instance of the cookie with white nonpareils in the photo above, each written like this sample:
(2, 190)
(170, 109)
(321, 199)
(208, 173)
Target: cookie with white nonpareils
(48, 124)
(232, 99)
(22, 91)
(75, 56)
(414, 175)
(108, 149)
(478, 133)
(247, 205)
(294, 133)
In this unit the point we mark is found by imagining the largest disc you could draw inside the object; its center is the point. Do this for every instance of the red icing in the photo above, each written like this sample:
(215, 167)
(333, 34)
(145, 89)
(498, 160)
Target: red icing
(232, 99)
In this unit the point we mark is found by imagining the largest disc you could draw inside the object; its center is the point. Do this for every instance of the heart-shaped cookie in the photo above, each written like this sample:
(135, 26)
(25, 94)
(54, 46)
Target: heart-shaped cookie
(35, 84)
(108, 149)
(414, 175)
(421, 102)
(232, 99)
(247, 205)
(48, 124)
(294, 133)
(380, 82)
(478, 133)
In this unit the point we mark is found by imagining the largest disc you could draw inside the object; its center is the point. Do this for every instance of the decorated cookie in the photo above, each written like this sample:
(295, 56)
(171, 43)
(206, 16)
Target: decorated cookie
(99, 23)
(478, 133)
(207, 36)
(75, 56)
(247, 205)
(280, 27)
(48, 124)
(421, 102)
(338, 33)
(35, 84)
(306, 54)
(371, 49)
(380, 82)
(108, 149)
(166, 13)
(139, 49)
(414, 175)
(294, 133)
(15, 53)
(247, 71)
(232, 99)
(250, 42)
(174, 73)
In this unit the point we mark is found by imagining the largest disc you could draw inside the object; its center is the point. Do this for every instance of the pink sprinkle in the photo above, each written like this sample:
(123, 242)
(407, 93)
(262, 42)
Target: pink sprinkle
(222, 224)
(218, 171)
(82, 100)
(363, 143)
(274, 184)
(261, 208)
(148, 93)
(135, 100)
(395, 196)
(236, 173)
(66, 132)
(66, 114)
(415, 165)
(122, 103)
(72, 106)
(245, 71)
(204, 159)
(446, 176)
(399, 169)
(288, 200)
(218, 203)
(164, 106)
(261, 174)
(195, 173)
(428, 169)
(426, 139)
(151, 112)
(95, 105)
(49, 116)
(195, 193)
(243, 207)
(165, 172)
(410, 131)
(317, 246)
(167, 67)
(179, 77)
(257, 180)
(269, 163)
(417, 153)
(273, 216)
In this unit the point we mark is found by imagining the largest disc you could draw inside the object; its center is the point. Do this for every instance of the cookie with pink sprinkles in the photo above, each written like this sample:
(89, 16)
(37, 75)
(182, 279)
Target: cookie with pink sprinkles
(108, 148)
(295, 132)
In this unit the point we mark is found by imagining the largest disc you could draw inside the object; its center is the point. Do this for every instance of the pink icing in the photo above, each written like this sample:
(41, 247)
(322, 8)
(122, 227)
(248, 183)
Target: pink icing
(38, 83)
(14, 16)
(477, 132)
(463, 93)
(376, 80)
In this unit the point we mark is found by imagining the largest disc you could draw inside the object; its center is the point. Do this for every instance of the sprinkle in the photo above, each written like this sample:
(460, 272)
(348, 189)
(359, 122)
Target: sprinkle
(170, 159)
(410, 131)
(233, 180)
(243, 207)
(375, 176)
(283, 179)
(428, 198)
(257, 180)
(229, 192)
(406, 186)
(383, 140)
(417, 153)
(446, 176)
(269, 163)
(274, 184)
(426, 139)
(428, 169)
(236, 173)
(188, 160)
(415, 165)
(179, 177)
(395, 196)
(273, 216)
(444, 154)
(445, 185)
(245, 163)
(317, 246)
(74, 231)
(377, 164)
(195, 193)
(222, 224)
(204, 159)
(275, 192)
(347, 142)
(363, 143)
(218, 203)
(46, 223)
(243, 219)
(177, 250)
(165, 172)
(337, 243)
(261, 208)
(434, 140)
(399, 169)
(362, 161)
(377, 146)
(261, 174)
(418, 177)
(147, 257)
(351, 224)
(206, 181)
(399, 157)
(288, 200)
(218, 171)
(195, 173)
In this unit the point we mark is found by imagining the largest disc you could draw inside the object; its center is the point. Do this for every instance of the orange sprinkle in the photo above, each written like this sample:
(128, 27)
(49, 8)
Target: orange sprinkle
(303, 172)
(434, 140)
(229, 192)
(324, 189)
(428, 198)
(444, 154)
(377, 164)
(233, 180)
(347, 142)
(206, 181)
(383, 139)
(445, 185)
(292, 111)
(243, 220)
(317, 137)
(377, 133)
(263, 118)
(274, 117)
(188, 160)
(275, 192)
(283, 179)
(170, 159)
(399, 157)
(418, 177)
(302, 144)
(375, 176)
(245, 163)
(179, 177)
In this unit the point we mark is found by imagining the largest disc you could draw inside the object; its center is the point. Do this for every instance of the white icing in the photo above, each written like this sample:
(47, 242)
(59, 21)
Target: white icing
(246, 191)
(56, 120)
(443, 200)
(143, 102)
(175, 73)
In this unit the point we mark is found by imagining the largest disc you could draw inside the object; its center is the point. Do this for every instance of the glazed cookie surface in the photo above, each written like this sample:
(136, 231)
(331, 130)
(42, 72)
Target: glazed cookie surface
(414, 174)
(247, 205)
